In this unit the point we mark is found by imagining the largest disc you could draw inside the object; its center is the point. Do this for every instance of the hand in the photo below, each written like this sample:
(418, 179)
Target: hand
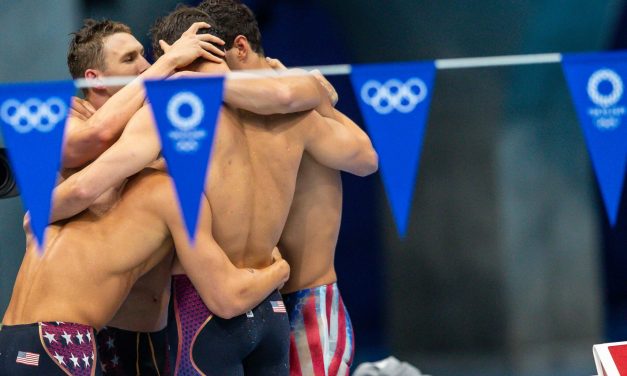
(333, 96)
(81, 109)
(276, 255)
(191, 46)
(275, 64)
(285, 271)
(26, 222)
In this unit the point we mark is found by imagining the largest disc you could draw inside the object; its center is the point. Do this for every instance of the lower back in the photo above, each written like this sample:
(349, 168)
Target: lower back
(310, 236)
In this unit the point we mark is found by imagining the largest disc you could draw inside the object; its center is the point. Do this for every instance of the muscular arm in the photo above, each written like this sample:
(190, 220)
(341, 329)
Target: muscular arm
(137, 147)
(272, 95)
(226, 290)
(86, 139)
(359, 157)
(338, 143)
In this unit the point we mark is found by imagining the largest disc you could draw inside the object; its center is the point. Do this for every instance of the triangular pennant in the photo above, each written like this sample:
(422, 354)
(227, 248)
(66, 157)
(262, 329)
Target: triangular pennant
(186, 112)
(596, 83)
(33, 117)
(394, 100)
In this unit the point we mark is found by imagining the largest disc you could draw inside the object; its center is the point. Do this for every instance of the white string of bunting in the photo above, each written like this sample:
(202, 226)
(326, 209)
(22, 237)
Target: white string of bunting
(393, 99)
(345, 69)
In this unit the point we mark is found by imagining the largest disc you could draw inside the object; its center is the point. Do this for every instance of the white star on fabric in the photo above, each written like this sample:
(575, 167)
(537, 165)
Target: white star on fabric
(103, 366)
(67, 337)
(80, 337)
(59, 322)
(110, 343)
(115, 360)
(88, 337)
(86, 360)
(50, 337)
(74, 360)
(59, 358)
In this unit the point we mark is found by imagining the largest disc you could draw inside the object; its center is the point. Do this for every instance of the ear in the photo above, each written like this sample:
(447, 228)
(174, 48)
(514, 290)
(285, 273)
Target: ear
(243, 47)
(94, 74)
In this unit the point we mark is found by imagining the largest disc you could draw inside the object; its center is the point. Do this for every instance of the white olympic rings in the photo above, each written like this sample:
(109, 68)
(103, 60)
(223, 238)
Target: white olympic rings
(33, 114)
(174, 115)
(593, 87)
(394, 95)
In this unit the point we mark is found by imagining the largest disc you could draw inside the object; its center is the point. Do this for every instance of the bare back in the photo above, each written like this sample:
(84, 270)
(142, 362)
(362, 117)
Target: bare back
(251, 182)
(89, 265)
(310, 236)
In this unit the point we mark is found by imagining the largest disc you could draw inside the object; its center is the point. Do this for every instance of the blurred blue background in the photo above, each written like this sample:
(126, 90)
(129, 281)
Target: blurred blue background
(509, 266)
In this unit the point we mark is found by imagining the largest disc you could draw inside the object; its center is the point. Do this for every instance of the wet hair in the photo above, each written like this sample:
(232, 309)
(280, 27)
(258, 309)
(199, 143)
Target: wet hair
(171, 27)
(234, 19)
(86, 49)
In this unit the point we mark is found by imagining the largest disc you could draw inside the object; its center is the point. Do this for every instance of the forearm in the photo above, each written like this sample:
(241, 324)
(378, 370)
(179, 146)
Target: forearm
(68, 200)
(85, 142)
(258, 284)
(272, 95)
(239, 290)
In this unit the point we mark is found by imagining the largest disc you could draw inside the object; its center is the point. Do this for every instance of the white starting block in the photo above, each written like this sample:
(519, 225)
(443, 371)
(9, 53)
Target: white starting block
(611, 358)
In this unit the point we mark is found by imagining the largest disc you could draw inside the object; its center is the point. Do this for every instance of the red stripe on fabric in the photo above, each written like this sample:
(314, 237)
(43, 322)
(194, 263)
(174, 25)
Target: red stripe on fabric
(329, 305)
(341, 340)
(294, 361)
(313, 337)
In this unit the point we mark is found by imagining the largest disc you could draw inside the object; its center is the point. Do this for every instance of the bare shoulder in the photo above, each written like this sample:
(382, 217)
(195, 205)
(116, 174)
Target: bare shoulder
(149, 188)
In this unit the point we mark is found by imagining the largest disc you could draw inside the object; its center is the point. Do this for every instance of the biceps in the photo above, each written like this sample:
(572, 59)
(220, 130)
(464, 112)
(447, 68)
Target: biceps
(331, 144)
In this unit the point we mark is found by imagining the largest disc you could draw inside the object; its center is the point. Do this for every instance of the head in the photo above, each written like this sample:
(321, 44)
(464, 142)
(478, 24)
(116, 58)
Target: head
(241, 31)
(105, 48)
(171, 27)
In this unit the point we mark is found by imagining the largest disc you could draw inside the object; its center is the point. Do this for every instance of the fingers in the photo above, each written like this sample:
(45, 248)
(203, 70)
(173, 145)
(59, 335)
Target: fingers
(164, 45)
(275, 63)
(211, 57)
(81, 109)
(78, 115)
(211, 48)
(210, 38)
(276, 255)
(88, 106)
(197, 26)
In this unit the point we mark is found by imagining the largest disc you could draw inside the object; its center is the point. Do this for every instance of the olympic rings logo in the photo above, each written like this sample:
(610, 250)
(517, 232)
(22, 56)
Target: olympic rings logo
(174, 111)
(605, 100)
(33, 114)
(394, 95)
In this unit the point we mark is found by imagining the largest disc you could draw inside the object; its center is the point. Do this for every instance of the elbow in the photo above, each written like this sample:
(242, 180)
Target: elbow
(80, 193)
(229, 310)
(227, 313)
(369, 164)
(289, 101)
(285, 99)
(227, 305)
(105, 136)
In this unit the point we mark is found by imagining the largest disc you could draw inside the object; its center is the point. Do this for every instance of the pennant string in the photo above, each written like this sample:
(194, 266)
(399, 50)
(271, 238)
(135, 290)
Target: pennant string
(344, 69)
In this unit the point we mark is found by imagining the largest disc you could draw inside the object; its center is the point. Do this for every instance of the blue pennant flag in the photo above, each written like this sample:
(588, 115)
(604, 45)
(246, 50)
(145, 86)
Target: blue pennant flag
(186, 111)
(394, 100)
(33, 117)
(596, 83)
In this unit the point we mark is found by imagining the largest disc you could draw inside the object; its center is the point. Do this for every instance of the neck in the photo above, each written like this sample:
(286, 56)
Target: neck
(97, 100)
(258, 62)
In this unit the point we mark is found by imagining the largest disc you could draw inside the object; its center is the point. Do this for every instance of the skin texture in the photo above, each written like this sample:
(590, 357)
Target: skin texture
(252, 175)
(89, 133)
(85, 279)
(312, 228)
